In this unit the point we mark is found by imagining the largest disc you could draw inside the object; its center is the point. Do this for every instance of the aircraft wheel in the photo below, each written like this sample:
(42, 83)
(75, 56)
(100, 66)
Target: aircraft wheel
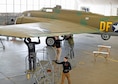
(50, 41)
(105, 36)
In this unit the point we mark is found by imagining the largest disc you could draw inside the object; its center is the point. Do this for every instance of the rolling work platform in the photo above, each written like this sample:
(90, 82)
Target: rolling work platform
(45, 71)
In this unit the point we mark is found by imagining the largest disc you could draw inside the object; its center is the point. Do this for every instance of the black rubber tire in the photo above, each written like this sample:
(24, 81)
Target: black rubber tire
(105, 36)
(50, 41)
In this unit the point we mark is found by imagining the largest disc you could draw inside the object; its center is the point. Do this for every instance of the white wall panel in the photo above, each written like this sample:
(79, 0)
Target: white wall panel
(105, 7)
(3, 8)
(17, 8)
(9, 8)
(3, 1)
(10, 1)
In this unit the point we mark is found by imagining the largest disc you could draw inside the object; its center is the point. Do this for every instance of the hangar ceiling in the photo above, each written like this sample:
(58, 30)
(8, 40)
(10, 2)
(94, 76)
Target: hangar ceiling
(99, 1)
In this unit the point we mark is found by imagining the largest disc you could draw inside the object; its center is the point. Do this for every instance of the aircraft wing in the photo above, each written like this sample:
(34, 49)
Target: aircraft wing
(45, 28)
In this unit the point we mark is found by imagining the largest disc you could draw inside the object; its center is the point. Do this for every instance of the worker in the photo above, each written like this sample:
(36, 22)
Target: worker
(66, 70)
(71, 43)
(69, 40)
(58, 47)
(31, 53)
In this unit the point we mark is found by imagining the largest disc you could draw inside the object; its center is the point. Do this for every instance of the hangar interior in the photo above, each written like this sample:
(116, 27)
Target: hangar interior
(85, 69)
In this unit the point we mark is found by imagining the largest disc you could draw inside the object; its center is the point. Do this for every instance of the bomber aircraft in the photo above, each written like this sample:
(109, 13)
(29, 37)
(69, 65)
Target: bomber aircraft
(55, 21)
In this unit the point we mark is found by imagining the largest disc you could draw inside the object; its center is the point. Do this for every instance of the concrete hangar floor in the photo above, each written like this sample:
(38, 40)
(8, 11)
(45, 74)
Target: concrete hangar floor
(85, 69)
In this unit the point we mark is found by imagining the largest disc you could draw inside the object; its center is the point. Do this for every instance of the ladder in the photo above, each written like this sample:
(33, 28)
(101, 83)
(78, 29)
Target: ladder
(44, 73)
(2, 44)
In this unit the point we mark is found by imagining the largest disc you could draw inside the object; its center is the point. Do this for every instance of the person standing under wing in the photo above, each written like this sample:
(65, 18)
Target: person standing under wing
(31, 53)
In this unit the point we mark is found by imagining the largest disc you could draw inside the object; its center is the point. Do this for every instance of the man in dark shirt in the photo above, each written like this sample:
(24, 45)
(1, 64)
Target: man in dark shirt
(31, 52)
(58, 47)
(66, 69)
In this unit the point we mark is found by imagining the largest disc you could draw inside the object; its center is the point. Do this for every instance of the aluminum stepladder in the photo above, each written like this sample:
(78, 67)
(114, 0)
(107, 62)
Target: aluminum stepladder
(47, 69)
(57, 69)
(44, 73)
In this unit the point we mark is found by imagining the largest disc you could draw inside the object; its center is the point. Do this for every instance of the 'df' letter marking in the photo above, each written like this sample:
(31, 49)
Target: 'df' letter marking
(104, 26)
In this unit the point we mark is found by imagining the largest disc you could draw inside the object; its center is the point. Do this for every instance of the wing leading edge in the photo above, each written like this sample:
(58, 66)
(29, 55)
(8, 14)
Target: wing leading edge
(49, 28)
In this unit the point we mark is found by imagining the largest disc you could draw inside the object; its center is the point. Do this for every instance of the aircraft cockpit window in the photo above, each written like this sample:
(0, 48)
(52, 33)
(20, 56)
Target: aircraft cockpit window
(47, 10)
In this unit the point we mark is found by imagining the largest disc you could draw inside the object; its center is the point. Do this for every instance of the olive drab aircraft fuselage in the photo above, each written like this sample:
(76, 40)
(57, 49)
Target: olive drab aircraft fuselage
(103, 24)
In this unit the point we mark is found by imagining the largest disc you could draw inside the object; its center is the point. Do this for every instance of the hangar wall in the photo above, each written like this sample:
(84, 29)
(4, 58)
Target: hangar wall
(106, 10)
(17, 6)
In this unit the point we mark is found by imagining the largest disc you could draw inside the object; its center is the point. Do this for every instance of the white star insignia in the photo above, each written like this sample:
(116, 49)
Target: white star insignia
(116, 27)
